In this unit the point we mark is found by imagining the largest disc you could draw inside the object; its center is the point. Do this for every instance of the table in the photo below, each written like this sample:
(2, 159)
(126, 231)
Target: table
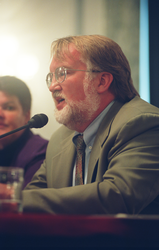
(32, 231)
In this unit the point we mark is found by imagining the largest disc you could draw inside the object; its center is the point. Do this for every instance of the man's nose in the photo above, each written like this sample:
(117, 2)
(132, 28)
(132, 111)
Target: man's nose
(55, 86)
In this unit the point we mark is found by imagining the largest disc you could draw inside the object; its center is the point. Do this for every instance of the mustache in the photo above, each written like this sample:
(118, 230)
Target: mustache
(57, 94)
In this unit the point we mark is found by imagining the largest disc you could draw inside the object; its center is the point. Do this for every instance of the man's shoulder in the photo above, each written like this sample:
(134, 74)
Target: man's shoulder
(62, 133)
(137, 107)
(136, 113)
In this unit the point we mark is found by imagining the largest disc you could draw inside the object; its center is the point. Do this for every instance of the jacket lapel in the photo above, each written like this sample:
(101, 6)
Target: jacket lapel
(63, 164)
(100, 140)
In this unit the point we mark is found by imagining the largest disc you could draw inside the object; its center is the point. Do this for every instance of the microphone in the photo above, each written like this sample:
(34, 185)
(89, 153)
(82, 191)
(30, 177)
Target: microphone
(37, 121)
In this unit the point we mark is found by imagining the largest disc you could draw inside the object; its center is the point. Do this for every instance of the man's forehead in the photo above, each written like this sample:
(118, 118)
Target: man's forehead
(73, 50)
(69, 56)
(68, 51)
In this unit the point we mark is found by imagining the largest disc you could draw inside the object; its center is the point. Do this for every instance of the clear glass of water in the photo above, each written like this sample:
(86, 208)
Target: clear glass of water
(11, 181)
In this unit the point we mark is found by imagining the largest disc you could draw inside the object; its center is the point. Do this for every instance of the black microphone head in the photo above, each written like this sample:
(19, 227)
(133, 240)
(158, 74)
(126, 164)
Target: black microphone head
(38, 121)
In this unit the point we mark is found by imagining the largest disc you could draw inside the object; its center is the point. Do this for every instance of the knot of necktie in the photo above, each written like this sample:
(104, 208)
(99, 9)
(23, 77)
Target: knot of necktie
(80, 143)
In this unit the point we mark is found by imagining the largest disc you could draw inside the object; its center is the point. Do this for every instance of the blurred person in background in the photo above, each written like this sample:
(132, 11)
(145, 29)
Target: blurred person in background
(21, 149)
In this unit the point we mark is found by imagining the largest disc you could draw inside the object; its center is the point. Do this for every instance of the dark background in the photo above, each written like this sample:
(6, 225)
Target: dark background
(154, 51)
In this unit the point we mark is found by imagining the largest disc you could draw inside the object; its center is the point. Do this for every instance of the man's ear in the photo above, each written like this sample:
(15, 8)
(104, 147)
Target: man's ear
(105, 81)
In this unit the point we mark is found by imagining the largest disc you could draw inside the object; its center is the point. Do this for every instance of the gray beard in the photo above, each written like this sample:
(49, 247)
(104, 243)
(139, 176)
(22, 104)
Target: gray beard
(79, 112)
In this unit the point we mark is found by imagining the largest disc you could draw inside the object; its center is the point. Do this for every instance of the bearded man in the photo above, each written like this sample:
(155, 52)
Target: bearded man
(104, 158)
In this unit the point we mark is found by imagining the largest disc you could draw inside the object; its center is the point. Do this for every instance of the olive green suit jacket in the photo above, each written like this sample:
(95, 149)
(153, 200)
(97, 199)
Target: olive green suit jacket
(123, 171)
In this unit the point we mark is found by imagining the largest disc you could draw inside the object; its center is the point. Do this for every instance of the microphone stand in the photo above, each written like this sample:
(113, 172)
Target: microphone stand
(15, 130)
(37, 121)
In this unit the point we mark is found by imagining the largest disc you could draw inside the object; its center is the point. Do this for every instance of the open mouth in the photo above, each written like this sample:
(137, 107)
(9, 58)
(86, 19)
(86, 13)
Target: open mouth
(61, 100)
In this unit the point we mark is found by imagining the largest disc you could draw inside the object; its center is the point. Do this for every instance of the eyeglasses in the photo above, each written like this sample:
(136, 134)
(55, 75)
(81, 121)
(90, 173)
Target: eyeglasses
(61, 73)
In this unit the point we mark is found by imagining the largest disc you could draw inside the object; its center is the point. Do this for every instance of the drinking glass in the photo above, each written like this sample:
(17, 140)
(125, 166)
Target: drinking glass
(11, 181)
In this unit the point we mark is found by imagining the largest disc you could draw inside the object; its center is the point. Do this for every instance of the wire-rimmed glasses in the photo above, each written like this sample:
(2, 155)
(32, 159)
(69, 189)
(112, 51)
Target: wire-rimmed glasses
(61, 73)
